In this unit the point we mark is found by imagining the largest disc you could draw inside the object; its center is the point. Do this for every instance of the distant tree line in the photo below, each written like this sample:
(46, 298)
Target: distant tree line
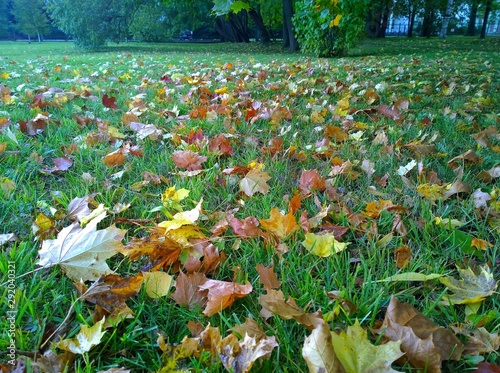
(322, 27)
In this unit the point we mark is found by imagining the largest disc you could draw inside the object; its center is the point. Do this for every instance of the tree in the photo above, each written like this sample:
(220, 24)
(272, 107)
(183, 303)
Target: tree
(487, 11)
(30, 17)
(93, 22)
(228, 7)
(378, 17)
(4, 20)
(329, 28)
(446, 19)
(408, 9)
(289, 39)
(471, 24)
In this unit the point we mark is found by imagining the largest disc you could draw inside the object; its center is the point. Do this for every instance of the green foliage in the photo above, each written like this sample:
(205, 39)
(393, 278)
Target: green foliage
(93, 22)
(30, 17)
(326, 28)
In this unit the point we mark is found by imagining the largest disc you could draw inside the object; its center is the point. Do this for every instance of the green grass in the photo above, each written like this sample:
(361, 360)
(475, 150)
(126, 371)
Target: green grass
(412, 69)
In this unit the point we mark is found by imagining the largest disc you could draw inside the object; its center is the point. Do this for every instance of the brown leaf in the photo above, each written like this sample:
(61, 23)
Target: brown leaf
(267, 277)
(242, 358)
(279, 225)
(273, 302)
(487, 176)
(109, 101)
(188, 159)
(220, 145)
(403, 256)
(455, 188)
(483, 137)
(187, 292)
(250, 328)
(310, 181)
(60, 164)
(479, 341)
(248, 227)
(485, 367)
(426, 344)
(467, 158)
(50, 362)
(222, 294)
(110, 292)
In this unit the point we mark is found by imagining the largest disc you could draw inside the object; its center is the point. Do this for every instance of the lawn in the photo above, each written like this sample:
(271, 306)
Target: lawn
(249, 201)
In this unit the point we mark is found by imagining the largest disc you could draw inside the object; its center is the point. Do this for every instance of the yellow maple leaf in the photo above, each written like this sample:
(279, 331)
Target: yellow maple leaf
(182, 218)
(84, 340)
(323, 245)
(471, 288)
(432, 192)
(357, 354)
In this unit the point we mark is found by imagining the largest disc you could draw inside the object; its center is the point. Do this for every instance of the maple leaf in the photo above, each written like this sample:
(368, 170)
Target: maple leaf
(187, 292)
(81, 253)
(267, 277)
(111, 291)
(84, 340)
(323, 245)
(318, 351)
(188, 159)
(109, 101)
(310, 181)
(182, 218)
(279, 225)
(357, 354)
(479, 341)
(60, 164)
(248, 351)
(485, 367)
(250, 328)
(273, 302)
(157, 283)
(471, 288)
(247, 227)
(78, 208)
(255, 181)
(222, 294)
(426, 344)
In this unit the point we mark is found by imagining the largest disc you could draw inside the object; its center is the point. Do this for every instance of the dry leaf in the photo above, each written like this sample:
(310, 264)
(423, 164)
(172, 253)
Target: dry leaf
(280, 225)
(188, 159)
(255, 181)
(84, 340)
(267, 277)
(157, 283)
(81, 253)
(248, 351)
(222, 294)
(471, 288)
(187, 290)
(426, 344)
(318, 351)
(311, 181)
(479, 341)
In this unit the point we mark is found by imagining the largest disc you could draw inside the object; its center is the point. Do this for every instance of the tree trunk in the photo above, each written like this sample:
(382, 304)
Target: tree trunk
(428, 21)
(411, 22)
(471, 25)
(233, 27)
(291, 41)
(446, 20)
(261, 28)
(487, 11)
(384, 21)
(39, 37)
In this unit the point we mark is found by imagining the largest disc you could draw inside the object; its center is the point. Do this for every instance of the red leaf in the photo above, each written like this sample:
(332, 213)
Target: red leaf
(109, 101)
(188, 159)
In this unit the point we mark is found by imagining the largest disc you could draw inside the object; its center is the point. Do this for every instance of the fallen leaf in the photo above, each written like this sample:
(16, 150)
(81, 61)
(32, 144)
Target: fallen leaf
(222, 294)
(188, 159)
(485, 367)
(412, 276)
(267, 277)
(357, 354)
(84, 340)
(426, 344)
(81, 253)
(248, 351)
(255, 181)
(471, 288)
(187, 292)
(479, 341)
(273, 302)
(157, 283)
(311, 181)
(403, 256)
(279, 225)
(323, 245)
(109, 101)
(78, 208)
(318, 351)
(248, 227)
(60, 164)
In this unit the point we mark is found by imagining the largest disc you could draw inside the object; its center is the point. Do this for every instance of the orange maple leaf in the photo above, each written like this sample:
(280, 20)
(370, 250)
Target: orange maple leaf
(280, 225)
(222, 294)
